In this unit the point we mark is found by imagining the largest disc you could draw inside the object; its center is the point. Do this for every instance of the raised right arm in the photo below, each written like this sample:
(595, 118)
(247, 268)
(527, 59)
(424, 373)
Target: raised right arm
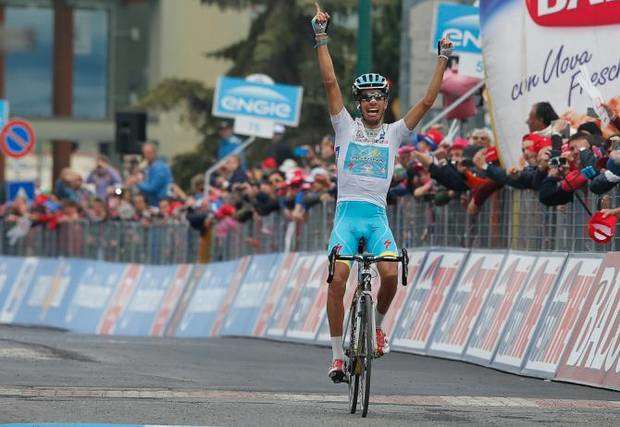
(326, 66)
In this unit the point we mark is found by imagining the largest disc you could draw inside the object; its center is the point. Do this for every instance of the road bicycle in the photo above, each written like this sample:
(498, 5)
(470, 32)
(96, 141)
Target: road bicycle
(361, 346)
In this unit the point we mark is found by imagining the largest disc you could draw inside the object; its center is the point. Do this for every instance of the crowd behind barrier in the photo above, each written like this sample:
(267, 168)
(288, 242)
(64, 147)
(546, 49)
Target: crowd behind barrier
(544, 314)
(446, 190)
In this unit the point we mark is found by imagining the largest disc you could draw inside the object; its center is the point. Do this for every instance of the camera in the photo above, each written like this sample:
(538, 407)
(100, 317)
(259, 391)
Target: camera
(556, 162)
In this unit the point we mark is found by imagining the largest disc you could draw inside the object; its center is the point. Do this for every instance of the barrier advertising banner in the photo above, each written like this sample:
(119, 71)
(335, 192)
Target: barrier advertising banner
(310, 310)
(560, 317)
(283, 275)
(17, 290)
(526, 313)
(251, 296)
(426, 300)
(170, 300)
(203, 308)
(49, 296)
(416, 260)
(465, 304)
(494, 315)
(323, 337)
(195, 276)
(146, 299)
(9, 269)
(592, 354)
(292, 291)
(533, 51)
(92, 294)
(120, 299)
(233, 286)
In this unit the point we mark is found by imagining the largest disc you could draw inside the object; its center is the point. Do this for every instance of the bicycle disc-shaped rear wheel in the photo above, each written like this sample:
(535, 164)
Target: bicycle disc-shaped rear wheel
(364, 386)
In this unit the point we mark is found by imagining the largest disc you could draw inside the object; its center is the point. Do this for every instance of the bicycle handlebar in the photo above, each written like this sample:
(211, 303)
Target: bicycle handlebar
(367, 260)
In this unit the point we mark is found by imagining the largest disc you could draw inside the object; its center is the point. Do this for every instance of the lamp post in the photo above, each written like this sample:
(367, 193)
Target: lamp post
(364, 37)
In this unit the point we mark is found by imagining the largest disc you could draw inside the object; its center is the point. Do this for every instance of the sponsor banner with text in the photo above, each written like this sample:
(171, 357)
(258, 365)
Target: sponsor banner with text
(251, 295)
(416, 260)
(189, 288)
(282, 277)
(553, 39)
(9, 269)
(592, 354)
(497, 308)
(465, 304)
(310, 310)
(557, 323)
(283, 311)
(202, 309)
(234, 283)
(148, 296)
(91, 296)
(527, 312)
(426, 300)
(120, 299)
(170, 300)
(17, 289)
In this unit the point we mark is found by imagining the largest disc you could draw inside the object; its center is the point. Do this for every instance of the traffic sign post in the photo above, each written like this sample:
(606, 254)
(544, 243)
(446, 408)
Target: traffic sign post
(17, 139)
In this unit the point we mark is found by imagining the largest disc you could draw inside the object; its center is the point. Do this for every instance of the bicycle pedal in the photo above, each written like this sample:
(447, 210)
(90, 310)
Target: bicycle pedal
(339, 377)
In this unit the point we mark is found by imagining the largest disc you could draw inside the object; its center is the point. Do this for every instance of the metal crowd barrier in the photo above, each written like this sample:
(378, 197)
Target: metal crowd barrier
(117, 241)
(510, 219)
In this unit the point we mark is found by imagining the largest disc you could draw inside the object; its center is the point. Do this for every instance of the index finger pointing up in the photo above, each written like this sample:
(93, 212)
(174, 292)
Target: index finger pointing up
(318, 8)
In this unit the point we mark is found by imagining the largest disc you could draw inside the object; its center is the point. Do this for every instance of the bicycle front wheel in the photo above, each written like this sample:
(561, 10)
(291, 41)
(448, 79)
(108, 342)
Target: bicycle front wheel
(353, 360)
(367, 358)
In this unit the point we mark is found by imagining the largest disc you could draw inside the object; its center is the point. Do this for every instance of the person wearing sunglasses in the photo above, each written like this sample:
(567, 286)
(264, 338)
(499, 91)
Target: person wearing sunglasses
(365, 151)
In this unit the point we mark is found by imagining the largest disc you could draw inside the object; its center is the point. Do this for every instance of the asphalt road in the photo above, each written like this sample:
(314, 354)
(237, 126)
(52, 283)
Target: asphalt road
(53, 376)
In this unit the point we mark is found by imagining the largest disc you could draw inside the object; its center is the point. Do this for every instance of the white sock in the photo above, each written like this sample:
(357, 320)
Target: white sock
(378, 318)
(337, 352)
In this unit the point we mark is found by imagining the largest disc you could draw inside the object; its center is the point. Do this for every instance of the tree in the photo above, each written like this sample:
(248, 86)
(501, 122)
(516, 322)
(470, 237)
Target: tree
(280, 44)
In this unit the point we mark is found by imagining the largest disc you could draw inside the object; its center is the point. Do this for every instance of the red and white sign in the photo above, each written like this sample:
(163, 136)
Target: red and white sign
(498, 306)
(286, 305)
(592, 355)
(426, 300)
(119, 301)
(527, 312)
(275, 292)
(416, 259)
(564, 307)
(310, 309)
(465, 304)
(574, 13)
(231, 293)
(170, 300)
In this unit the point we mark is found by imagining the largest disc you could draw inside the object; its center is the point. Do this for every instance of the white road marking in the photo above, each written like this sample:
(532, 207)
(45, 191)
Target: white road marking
(253, 396)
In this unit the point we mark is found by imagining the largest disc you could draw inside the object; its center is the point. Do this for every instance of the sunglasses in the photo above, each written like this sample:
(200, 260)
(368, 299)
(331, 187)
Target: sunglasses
(379, 96)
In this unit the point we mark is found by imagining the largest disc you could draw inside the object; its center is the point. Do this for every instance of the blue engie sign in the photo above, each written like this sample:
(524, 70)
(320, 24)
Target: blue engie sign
(235, 97)
(462, 24)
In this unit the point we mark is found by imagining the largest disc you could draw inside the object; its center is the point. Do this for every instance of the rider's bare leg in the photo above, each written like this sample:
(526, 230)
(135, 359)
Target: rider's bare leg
(389, 281)
(335, 307)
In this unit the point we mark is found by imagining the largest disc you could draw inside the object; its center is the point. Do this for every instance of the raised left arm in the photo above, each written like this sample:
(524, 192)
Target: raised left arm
(415, 114)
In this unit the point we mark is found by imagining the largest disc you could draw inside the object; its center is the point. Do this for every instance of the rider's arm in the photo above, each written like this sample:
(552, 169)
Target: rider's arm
(415, 114)
(326, 66)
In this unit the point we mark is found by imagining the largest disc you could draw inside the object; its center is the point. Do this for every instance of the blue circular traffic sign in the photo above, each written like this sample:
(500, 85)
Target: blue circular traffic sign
(17, 138)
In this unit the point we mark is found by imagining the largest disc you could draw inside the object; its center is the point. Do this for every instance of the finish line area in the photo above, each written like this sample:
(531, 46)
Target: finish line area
(57, 377)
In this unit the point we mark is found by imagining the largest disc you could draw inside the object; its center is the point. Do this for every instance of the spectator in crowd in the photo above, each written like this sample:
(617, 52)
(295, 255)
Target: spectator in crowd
(280, 149)
(157, 179)
(104, 177)
(227, 142)
(540, 117)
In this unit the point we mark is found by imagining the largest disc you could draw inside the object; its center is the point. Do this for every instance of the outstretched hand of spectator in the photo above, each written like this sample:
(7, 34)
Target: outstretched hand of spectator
(424, 159)
(610, 212)
(480, 160)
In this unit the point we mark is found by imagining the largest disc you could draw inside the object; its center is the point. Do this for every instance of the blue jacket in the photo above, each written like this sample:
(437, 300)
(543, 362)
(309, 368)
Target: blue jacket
(156, 182)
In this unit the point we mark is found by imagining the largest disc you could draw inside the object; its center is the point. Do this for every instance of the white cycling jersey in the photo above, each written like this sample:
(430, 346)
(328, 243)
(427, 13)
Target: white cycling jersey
(365, 157)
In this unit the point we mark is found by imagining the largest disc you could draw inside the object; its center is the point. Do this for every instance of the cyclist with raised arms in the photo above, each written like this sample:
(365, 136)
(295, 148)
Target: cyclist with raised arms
(365, 152)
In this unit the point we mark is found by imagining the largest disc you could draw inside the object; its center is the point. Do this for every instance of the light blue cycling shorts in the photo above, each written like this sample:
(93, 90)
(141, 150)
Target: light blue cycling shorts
(355, 220)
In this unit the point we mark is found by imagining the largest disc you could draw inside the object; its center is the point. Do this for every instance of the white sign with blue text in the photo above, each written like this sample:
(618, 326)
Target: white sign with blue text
(461, 24)
(238, 98)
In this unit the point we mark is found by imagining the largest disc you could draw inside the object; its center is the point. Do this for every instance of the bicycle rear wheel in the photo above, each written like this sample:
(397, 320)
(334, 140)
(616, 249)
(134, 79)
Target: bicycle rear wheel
(364, 386)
